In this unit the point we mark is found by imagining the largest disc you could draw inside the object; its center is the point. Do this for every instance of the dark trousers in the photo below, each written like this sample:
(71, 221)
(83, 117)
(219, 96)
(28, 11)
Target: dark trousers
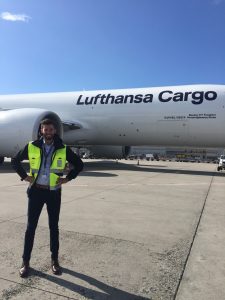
(36, 200)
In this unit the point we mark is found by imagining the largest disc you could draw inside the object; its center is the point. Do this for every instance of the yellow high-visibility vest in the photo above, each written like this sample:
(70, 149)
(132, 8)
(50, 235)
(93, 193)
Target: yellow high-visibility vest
(57, 166)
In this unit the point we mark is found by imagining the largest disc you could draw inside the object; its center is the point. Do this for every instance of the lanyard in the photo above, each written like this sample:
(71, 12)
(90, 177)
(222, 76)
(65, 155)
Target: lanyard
(46, 154)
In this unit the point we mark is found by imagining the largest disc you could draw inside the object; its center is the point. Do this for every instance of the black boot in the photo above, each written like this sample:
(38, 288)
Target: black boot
(24, 270)
(56, 269)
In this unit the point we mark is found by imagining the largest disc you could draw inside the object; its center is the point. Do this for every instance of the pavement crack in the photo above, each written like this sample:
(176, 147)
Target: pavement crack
(20, 287)
(89, 234)
(193, 240)
(12, 220)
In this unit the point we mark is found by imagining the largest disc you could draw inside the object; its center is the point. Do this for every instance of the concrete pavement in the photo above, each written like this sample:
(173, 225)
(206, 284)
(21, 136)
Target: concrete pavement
(153, 231)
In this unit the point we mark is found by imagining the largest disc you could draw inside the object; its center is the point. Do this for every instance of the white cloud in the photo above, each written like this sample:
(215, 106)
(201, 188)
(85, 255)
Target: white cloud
(13, 17)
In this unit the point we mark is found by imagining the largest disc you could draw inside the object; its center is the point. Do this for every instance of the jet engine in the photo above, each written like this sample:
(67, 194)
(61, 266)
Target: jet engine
(110, 152)
(19, 126)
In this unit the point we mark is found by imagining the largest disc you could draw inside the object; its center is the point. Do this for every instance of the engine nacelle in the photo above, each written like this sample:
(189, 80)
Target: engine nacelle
(19, 126)
(110, 152)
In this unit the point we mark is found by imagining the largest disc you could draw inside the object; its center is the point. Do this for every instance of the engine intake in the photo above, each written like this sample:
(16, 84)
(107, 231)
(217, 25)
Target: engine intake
(24, 126)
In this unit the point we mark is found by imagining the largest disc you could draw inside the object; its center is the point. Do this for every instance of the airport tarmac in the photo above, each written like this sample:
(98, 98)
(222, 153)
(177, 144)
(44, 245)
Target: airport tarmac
(150, 231)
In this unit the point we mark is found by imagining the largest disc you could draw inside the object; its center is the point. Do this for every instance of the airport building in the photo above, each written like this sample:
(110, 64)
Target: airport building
(184, 153)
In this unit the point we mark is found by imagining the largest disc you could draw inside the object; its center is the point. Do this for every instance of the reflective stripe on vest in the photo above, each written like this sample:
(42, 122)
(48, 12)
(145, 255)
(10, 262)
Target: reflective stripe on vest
(57, 166)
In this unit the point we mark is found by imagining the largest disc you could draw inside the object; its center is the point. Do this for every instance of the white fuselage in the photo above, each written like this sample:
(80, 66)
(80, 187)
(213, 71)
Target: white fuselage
(192, 115)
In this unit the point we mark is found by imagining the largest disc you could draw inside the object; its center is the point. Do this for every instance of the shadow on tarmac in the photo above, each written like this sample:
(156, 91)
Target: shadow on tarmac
(91, 169)
(6, 168)
(142, 167)
(108, 292)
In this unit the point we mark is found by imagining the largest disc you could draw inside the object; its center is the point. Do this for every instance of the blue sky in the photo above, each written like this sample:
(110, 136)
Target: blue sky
(72, 45)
